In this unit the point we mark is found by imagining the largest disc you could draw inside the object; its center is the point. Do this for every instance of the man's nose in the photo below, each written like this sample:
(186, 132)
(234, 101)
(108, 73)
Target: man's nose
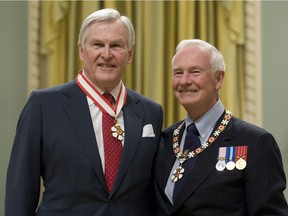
(186, 78)
(106, 52)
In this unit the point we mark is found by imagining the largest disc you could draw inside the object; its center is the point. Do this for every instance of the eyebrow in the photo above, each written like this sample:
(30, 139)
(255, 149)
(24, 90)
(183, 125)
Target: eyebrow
(93, 40)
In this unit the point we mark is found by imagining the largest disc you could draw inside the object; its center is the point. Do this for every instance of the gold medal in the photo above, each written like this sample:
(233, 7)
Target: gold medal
(242, 156)
(241, 164)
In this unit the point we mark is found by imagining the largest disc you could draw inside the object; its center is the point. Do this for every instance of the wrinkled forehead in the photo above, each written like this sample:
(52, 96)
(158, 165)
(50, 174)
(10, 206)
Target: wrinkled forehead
(193, 54)
(107, 28)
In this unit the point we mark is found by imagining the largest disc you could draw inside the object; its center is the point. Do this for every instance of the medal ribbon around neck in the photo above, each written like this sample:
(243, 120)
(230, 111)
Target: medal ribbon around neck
(182, 157)
(89, 89)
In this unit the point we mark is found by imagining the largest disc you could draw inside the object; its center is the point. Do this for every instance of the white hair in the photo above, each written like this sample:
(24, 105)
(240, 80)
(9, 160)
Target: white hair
(217, 59)
(107, 14)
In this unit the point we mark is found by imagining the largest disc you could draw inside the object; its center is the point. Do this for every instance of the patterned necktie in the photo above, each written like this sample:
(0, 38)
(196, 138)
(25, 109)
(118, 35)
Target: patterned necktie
(112, 146)
(191, 143)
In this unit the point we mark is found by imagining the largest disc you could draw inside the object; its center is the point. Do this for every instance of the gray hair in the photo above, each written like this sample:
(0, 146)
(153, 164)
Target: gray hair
(107, 14)
(217, 59)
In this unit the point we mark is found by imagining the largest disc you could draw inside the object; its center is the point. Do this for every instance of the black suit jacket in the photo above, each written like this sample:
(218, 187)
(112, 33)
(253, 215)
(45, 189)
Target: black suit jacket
(256, 190)
(55, 139)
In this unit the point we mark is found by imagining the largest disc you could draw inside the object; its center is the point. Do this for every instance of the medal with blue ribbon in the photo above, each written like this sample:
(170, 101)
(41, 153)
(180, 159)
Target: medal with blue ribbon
(230, 165)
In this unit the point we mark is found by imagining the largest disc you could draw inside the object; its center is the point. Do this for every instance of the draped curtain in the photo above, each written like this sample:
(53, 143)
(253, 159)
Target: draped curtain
(159, 26)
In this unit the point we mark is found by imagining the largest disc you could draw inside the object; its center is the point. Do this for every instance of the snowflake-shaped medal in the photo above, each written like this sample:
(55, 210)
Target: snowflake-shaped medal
(117, 132)
(177, 174)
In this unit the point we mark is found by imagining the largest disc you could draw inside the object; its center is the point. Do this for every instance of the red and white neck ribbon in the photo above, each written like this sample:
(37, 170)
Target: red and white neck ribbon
(90, 90)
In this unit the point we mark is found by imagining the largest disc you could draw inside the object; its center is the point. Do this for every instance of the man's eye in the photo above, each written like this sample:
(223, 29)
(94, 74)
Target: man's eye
(195, 72)
(177, 73)
(116, 46)
(98, 45)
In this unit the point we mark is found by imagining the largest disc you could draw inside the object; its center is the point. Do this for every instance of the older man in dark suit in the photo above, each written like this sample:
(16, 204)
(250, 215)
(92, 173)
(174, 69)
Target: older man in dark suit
(93, 141)
(213, 163)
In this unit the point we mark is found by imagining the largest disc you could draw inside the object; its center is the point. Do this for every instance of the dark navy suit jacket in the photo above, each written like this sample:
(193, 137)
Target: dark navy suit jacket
(255, 191)
(55, 139)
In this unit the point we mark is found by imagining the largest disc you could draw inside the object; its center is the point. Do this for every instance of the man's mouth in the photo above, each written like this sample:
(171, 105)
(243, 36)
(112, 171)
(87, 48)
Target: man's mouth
(106, 65)
(187, 91)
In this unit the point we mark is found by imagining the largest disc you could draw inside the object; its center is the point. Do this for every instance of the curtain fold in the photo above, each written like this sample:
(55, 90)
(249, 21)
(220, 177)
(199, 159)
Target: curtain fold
(159, 26)
(231, 43)
(53, 41)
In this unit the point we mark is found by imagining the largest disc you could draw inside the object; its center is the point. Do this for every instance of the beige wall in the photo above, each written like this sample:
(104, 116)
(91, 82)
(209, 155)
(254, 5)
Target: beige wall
(13, 76)
(275, 73)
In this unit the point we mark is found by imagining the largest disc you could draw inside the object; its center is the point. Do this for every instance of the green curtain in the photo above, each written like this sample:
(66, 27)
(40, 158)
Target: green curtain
(159, 26)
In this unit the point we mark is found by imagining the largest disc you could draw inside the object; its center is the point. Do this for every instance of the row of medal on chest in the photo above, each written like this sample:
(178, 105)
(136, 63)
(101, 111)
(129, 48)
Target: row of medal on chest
(232, 157)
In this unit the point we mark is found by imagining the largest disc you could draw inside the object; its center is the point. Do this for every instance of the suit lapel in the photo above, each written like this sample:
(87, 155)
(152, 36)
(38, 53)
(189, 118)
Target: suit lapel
(78, 113)
(166, 159)
(133, 120)
(205, 165)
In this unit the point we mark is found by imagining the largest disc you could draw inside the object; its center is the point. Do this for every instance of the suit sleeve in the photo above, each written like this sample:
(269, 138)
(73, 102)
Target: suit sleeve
(23, 175)
(266, 180)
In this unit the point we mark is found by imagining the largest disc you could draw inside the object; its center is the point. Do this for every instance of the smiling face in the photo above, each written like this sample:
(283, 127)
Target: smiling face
(105, 53)
(194, 84)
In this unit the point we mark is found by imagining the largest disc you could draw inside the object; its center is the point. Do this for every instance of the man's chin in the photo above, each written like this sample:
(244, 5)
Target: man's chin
(186, 99)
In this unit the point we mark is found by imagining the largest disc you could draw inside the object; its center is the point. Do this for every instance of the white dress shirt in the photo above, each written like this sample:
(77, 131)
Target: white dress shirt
(96, 116)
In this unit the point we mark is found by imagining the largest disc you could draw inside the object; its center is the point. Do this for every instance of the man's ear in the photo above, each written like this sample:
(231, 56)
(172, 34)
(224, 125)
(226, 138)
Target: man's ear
(219, 77)
(131, 54)
(81, 50)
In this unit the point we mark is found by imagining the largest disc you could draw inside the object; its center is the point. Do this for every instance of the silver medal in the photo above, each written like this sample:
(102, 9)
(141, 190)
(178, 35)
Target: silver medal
(220, 166)
(230, 165)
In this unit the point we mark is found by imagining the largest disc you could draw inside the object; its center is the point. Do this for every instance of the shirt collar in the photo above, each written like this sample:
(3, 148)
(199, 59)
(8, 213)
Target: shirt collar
(114, 92)
(207, 122)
